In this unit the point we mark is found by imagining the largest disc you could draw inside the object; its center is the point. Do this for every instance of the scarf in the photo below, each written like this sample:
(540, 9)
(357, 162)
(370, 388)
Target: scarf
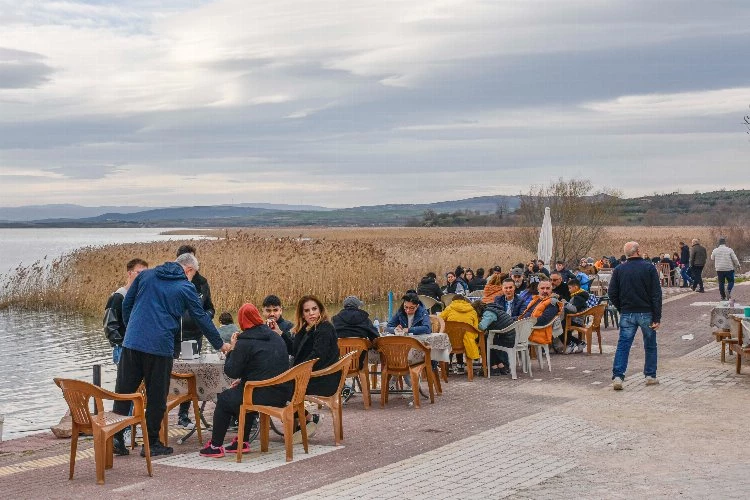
(248, 316)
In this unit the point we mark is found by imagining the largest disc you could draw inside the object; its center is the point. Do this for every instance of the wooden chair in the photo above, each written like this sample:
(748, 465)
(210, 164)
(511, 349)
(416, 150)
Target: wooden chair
(665, 273)
(334, 402)
(597, 312)
(455, 331)
(430, 302)
(300, 374)
(103, 425)
(394, 352)
(359, 345)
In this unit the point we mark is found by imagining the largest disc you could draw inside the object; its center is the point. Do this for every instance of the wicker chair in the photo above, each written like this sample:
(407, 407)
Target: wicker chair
(334, 402)
(394, 352)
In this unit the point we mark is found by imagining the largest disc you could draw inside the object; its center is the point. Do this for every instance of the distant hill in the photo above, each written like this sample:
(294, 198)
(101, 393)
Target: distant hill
(62, 211)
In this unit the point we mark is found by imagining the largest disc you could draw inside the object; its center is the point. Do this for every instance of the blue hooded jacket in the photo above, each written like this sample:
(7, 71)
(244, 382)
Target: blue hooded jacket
(153, 308)
(420, 326)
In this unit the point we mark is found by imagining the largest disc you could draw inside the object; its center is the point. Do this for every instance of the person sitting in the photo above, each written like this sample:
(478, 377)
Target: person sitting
(565, 273)
(353, 322)
(411, 318)
(530, 292)
(454, 284)
(429, 287)
(560, 289)
(545, 308)
(602, 263)
(315, 337)
(272, 315)
(257, 354)
(494, 288)
(516, 274)
(578, 302)
(510, 301)
(542, 268)
(478, 282)
(460, 310)
(227, 327)
(495, 317)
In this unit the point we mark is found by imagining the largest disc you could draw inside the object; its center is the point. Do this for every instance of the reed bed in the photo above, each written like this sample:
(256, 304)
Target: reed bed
(247, 264)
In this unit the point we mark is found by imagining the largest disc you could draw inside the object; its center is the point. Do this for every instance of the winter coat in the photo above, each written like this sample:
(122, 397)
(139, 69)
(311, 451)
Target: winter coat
(114, 325)
(490, 292)
(320, 342)
(635, 288)
(495, 318)
(190, 329)
(562, 291)
(544, 310)
(153, 309)
(577, 303)
(352, 322)
(420, 326)
(463, 312)
(477, 283)
(427, 286)
(458, 287)
(517, 305)
(724, 258)
(260, 354)
(684, 255)
(698, 255)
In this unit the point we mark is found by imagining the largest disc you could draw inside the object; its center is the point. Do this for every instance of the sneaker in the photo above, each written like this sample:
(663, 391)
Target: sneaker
(460, 369)
(156, 449)
(581, 347)
(692, 286)
(232, 448)
(571, 348)
(118, 446)
(311, 428)
(652, 381)
(346, 393)
(212, 451)
(184, 421)
(617, 383)
(558, 345)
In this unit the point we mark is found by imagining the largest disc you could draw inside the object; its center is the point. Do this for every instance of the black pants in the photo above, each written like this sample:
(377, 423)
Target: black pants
(227, 409)
(697, 272)
(185, 406)
(505, 340)
(154, 371)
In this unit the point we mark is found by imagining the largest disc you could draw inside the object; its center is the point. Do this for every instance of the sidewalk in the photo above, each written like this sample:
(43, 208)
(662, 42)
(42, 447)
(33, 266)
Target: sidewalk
(563, 434)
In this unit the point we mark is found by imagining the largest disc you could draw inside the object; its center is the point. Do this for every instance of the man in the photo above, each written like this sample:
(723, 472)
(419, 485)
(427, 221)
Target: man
(566, 274)
(725, 260)
(114, 326)
(602, 263)
(152, 311)
(578, 302)
(542, 268)
(559, 288)
(698, 257)
(190, 330)
(684, 267)
(272, 311)
(428, 286)
(510, 301)
(635, 290)
(516, 274)
(544, 307)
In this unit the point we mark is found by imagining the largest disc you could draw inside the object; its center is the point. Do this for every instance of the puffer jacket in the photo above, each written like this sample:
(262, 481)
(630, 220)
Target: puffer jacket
(420, 326)
(427, 286)
(463, 312)
(698, 255)
(353, 322)
(724, 258)
(490, 292)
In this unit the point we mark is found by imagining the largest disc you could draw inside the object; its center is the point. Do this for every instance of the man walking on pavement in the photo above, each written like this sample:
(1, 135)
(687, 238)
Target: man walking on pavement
(152, 311)
(698, 257)
(725, 260)
(685, 265)
(635, 290)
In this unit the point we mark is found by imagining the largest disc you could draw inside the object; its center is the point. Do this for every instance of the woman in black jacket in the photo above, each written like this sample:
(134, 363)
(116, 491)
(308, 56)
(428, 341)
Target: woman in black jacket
(258, 353)
(315, 337)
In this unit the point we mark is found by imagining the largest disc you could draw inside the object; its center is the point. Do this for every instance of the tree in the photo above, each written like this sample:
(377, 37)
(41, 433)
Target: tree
(579, 216)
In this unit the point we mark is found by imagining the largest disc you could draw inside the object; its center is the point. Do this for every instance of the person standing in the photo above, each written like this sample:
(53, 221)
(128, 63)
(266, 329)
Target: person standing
(152, 311)
(685, 265)
(698, 257)
(635, 290)
(725, 260)
(190, 329)
(114, 326)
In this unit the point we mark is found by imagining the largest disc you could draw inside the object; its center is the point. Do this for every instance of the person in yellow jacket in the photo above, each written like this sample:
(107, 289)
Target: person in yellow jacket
(461, 310)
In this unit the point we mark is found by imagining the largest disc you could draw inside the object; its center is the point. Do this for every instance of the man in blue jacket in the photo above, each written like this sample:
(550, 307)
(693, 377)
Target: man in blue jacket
(152, 310)
(635, 290)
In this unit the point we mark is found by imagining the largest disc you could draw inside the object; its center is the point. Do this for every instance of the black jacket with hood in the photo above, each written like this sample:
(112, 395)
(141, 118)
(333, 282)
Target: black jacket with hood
(353, 322)
(427, 286)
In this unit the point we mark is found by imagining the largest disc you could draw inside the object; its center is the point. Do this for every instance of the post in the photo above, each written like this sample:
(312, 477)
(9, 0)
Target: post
(97, 379)
(390, 304)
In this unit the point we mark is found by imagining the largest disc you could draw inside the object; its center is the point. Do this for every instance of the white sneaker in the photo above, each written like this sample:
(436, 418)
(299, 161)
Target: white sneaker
(311, 428)
(581, 347)
(570, 349)
(617, 383)
(652, 381)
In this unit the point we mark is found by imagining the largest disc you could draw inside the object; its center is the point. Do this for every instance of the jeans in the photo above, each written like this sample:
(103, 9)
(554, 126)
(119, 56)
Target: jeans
(116, 353)
(697, 272)
(729, 277)
(629, 323)
(686, 278)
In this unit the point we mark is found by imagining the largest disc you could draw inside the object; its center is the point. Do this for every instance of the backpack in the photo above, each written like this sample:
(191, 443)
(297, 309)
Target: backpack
(592, 301)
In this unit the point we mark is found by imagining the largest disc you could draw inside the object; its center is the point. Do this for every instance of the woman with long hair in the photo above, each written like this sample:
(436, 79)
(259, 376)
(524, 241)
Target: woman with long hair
(315, 337)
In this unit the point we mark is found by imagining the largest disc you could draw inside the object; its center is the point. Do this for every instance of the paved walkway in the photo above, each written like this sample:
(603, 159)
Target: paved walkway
(563, 434)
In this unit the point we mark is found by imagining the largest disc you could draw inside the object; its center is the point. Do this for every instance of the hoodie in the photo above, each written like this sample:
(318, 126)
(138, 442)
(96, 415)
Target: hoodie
(353, 322)
(463, 312)
(153, 307)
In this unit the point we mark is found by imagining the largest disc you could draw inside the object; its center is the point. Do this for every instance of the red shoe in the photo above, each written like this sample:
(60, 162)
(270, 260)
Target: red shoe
(212, 451)
(232, 448)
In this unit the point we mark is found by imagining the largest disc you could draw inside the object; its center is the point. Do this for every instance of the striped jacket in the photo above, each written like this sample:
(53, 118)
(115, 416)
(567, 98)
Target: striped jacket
(724, 258)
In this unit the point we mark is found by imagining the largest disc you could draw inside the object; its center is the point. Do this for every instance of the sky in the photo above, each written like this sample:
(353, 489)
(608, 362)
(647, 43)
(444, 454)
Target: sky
(344, 103)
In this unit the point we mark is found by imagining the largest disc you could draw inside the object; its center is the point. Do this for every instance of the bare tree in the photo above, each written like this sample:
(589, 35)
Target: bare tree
(579, 216)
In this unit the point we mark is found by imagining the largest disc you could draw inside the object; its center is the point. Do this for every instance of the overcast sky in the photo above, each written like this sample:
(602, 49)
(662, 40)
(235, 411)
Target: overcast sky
(357, 102)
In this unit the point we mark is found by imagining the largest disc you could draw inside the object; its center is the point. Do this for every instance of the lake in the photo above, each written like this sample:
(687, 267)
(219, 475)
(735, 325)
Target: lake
(35, 347)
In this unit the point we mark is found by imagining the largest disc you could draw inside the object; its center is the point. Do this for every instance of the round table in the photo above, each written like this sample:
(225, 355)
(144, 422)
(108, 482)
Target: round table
(210, 379)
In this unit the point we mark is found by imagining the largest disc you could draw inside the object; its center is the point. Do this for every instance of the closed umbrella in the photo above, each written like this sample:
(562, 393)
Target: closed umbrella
(544, 247)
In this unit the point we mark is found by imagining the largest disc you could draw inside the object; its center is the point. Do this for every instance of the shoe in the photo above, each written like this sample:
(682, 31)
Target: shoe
(460, 369)
(571, 348)
(184, 421)
(692, 287)
(311, 428)
(729, 295)
(346, 393)
(496, 372)
(232, 448)
(212, 451)
(581, 347)
(118, 447)
(652, 381)
(723, 298)
(156, 449)
(617, 383)
(557, 345)
(701, 290)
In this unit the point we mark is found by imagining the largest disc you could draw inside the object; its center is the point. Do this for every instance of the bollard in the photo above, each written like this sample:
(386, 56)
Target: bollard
(97, 379)
(2, 419)
(390, 304)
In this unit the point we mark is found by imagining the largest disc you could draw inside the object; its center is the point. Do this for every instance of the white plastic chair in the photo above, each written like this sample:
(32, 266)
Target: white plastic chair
(523, 329)
(429, 302)
(544, 348)
(476, 293)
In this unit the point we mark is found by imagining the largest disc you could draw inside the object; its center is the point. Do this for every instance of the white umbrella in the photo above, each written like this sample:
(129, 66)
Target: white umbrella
(544, 247)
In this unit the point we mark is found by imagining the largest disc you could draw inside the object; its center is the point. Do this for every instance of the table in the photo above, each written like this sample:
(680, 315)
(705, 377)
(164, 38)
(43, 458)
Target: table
(740, 323)
(720, 316)
(439, 344)
(209, 376)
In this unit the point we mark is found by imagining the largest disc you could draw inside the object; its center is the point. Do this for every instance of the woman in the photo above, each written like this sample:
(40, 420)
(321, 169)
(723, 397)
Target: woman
(315, 337)
(454, 284)
(531, 269)
(460, 310)
(530, 291)
(258, 353)
(493, 288)
(411, 318)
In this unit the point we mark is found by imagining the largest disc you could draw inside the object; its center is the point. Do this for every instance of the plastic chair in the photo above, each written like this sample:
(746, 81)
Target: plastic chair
(300, 374)
(476, 293)
(455, 331)
(523, 329)
(394, 352)
(359, 345)
(174, 400)
(610, 313)
(438, 326)
(334, 402)
(597, 312)
(430, 302)
(447, 298)
(103, 425)
(665, 273)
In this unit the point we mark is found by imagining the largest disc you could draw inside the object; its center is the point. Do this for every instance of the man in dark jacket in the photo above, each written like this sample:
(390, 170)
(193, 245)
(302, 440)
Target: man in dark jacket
(698, 257)
(516, 274)
(152, 311)
(352, 321)
(510, 301)
(428, 286)
(478, 282)
(272, 314)
(558, 287)
(564, 271)
(190, 329)
(495, 317)
(635, 290)
(257, 353)
(685, 265)
(114, 325)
